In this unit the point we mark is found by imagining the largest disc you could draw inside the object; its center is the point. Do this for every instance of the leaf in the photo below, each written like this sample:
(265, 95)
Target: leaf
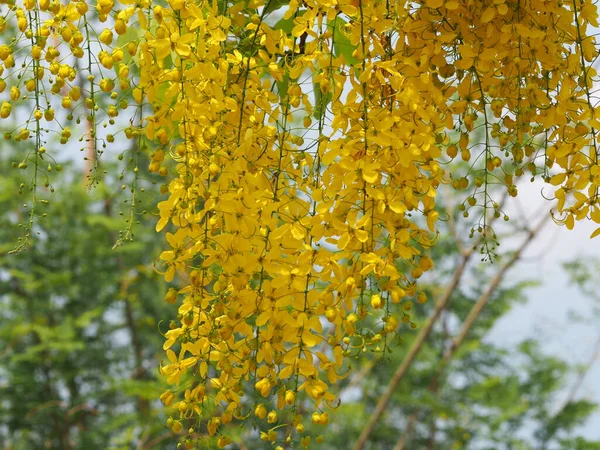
(273, 5)
(321, 101)
(133, 34)
(341, 43)
(283, 85)
(287, 25)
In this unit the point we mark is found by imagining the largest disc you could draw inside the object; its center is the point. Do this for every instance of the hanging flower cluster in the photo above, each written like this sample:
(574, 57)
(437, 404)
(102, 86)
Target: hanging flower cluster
(308, 140)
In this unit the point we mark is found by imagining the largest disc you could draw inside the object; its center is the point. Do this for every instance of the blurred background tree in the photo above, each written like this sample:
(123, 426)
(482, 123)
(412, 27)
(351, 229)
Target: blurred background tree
(78, 325)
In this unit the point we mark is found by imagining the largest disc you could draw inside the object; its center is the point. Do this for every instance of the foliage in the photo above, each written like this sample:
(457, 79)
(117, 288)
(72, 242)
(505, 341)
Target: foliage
(78, 328)
(308, 141)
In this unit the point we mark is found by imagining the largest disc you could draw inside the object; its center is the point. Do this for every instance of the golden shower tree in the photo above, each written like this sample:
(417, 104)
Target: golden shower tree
(303, 143)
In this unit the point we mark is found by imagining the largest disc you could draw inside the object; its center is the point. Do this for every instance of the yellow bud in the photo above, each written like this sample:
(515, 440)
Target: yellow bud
(177, 426)
(76, 39)
(260, 411)
(107, 85)
(324, 419)
(36, 52)
(391, 324)
(64, 71)
(376, 301)
(108, 62)
(132, 48)
(49, 114)
(463, 141)
(9, 62)
(120, 27)
(67, 34)
(22, 24)
(213, 169)
(416, 272)
(223, 441)
(15, 93)
(106, 37)
(104, 6)
(117, 55)
(272, 417)
(167, 398)
(290, 397)
(213, 425)
(426, 263)
(171, 296)
(158, 13)
(5, 110)
(82, 7)
(29, 85)
(5, 52)
(330, 314)
(452, 151)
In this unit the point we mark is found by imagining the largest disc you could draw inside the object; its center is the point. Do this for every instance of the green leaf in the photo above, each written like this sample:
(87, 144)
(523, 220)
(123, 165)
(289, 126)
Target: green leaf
(132, 34)
(287, 25)
(282, 86)
(321, 101)
(273, 5)
(341, 43)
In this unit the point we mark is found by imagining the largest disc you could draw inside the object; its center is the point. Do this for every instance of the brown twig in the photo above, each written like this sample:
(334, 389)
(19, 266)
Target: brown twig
(474, 313)
(413, 351)
(409, 427)
(484, 298)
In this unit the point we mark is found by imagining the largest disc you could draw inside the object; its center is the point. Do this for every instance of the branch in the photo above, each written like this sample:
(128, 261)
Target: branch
(481, 302)
(474, 313)
(416, 347)
(409, 427)
(413, 351)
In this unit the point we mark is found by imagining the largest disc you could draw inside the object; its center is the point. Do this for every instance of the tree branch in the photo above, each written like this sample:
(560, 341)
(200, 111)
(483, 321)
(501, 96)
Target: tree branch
(413, 351)
(474, 313)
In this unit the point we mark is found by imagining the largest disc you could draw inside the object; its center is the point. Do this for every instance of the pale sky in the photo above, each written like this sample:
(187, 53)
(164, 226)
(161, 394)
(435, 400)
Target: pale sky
(545, 314)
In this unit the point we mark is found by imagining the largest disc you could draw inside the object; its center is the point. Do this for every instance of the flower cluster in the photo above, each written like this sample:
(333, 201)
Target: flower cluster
(307, 140)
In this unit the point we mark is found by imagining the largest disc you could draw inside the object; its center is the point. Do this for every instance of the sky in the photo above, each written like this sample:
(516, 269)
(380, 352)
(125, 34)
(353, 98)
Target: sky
(546, 313)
